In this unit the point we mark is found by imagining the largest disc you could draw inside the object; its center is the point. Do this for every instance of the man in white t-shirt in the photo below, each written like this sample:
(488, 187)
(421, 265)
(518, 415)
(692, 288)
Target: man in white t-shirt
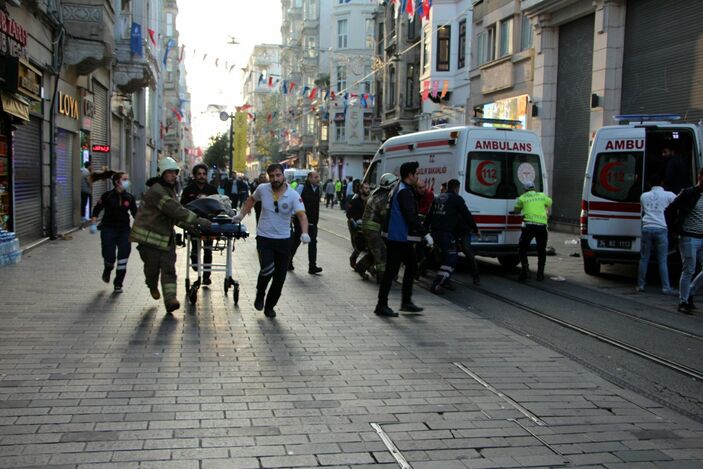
(273, 234)
(655, 233)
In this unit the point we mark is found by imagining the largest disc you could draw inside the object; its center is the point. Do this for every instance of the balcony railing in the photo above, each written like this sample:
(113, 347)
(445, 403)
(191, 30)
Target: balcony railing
(90, 37)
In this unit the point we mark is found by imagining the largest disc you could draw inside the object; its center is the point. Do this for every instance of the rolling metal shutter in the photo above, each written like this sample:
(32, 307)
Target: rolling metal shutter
(574, 73)
(98, 136)
(661, 65)
(64, 181)
(27, 170)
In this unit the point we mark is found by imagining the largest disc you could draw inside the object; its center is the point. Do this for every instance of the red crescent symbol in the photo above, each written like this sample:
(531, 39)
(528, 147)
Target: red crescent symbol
(603, 175)
(479, 173)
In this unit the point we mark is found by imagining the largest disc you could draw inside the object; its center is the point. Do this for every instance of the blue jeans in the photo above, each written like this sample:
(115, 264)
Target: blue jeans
(691, 251)
(654, 237)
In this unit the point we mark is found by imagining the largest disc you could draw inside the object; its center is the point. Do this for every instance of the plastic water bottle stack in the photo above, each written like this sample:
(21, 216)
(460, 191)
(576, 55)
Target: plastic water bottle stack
(9, 248)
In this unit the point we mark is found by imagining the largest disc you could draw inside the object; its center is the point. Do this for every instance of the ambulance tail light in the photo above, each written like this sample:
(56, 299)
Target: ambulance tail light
(453, 136)
(584, 217)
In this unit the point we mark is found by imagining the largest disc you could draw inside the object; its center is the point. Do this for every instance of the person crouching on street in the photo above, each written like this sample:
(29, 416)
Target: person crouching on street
(534, 207)
(117, 204)
(273, 234)
(153, 231)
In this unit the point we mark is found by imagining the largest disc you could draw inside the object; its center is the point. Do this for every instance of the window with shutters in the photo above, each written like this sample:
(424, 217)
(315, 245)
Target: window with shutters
(444, 35)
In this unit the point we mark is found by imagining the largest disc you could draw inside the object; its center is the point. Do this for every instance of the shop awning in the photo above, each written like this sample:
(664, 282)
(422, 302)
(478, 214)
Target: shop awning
(14, 106)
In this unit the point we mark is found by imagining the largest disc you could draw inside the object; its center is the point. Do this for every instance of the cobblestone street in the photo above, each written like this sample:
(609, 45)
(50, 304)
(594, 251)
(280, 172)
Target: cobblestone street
(92, 380)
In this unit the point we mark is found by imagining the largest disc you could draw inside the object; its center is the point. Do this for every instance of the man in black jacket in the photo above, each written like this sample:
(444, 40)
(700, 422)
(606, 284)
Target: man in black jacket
(311, 199)
(198, 188)
(402, 228)
(448, 216)
(687, 210)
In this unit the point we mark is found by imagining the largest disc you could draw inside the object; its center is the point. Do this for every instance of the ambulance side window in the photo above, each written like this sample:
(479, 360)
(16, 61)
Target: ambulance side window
(502, 175)
(372, 175)
(618, 176)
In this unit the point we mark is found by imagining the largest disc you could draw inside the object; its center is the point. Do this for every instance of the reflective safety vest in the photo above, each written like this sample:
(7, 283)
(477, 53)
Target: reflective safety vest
(158, 213)
(533, 206)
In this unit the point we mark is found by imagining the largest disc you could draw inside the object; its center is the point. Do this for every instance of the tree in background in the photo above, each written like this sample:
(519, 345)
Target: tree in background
(216, 153)
(266, 129)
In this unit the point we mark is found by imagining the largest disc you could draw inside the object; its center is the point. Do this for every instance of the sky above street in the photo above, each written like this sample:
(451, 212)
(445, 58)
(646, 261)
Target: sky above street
(205, 27)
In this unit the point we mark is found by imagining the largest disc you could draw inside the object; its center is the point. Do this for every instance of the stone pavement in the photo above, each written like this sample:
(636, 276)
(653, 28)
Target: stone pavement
(92, 380)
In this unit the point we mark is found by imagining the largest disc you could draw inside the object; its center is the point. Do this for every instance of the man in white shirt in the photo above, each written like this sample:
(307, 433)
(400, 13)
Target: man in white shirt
(273, 235)
(655, 233)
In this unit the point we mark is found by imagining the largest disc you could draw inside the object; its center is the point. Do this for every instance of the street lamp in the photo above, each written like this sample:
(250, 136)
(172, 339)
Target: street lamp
(223, 117)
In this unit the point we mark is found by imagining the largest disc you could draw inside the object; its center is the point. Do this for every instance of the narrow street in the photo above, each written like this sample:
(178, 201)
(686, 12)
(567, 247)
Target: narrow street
(89, 379)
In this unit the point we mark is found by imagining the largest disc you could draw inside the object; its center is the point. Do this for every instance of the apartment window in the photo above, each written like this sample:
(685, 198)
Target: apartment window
(366, 83)
(342, 34)
(525, 33)
(411, 83)
(485, 46)
(368, 137)
(379, 46)
(391, 86)
(412, 30)
(444, 35)
(324, 129)
(369, 34)
(426, 59)
(462, 44)
(341, 77)
(169, 24)
(506, 37)
(340, 133)
(309, 124)
(310, 10)
(311, 46)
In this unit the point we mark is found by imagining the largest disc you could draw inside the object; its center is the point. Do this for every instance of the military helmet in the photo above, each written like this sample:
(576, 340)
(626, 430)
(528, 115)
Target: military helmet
(168, 164)
(387, 180)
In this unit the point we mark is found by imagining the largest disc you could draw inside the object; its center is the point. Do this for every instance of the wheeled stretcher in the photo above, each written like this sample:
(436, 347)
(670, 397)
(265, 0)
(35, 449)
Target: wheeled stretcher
(222, 235)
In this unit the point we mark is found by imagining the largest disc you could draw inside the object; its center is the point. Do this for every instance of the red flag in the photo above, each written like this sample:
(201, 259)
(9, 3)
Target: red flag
(313, 93)
(426, 9)
(152, 33)
(269, 117)
(332, 95)
(270, 82)
(245, 107)
(292, 85)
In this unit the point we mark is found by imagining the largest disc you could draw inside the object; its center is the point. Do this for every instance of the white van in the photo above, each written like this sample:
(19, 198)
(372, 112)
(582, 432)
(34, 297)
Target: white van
(621, 160)
(296, 174)
(492, 164)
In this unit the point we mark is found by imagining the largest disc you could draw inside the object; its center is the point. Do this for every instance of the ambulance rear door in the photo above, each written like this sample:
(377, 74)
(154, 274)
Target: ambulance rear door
(613, 188)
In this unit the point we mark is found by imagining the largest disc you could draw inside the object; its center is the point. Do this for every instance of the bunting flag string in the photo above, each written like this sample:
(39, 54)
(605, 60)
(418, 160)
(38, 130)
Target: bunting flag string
(445, 88)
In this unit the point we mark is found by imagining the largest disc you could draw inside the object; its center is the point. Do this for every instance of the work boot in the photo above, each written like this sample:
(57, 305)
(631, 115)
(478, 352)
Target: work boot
(172, 305)
(352, 261)
(410, 307)
(106, 274)
(540, 273)
(290, 266)
(524, 273)
(314, 270)
(259, 301)
(270, 313)
(155, 293)
(385, 311)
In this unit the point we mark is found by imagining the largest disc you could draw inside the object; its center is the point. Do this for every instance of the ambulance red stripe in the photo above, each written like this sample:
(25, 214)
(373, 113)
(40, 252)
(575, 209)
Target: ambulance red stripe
(629, 207)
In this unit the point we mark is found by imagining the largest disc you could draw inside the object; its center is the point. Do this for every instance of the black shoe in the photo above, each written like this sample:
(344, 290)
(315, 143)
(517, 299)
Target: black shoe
(269, 313)
(106, 275)
(259, 303)
(477, 280)
(172, 305)
(352, 262)
(540, 276)
(524, 275)
(362, 273)
(385, 311)
(314, 270)
(118, 289)
(290, 266)
(685, 308)
(691, 305)
(411, 308)
(207, 281)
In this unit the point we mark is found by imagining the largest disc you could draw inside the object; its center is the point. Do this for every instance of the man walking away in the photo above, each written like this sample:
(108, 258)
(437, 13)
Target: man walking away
(372, 221)
(273, 240)
(687, 209)
(534, 207)
(86, 190)
(243, 191)
(655, 233)
(198, 188)
(311, 200)
(329, 193)
(153, 231)
(448, 215)
(402, 228)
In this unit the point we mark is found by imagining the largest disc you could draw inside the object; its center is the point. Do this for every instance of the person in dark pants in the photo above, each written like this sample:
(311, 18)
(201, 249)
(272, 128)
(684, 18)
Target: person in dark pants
(534, 207)
(311, 199)
(86, 190)
(273, 238)
(355, 212)
(447, 216)
(198, 188)
(402, 228)
(118, 204)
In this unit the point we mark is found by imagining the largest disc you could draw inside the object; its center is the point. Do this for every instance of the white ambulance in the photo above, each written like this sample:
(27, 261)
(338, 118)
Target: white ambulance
(492, 163)
(296, 174)
(622, 159)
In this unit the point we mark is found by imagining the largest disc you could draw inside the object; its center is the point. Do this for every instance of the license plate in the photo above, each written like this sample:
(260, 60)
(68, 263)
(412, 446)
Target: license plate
(615, 243)
(485, 239)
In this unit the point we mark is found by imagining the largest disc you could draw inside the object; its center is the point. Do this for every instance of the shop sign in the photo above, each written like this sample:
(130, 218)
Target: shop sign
(29, 80)
(514, 108)
(87, 109)
(100, 149)
(13, 37)
(68, 106)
